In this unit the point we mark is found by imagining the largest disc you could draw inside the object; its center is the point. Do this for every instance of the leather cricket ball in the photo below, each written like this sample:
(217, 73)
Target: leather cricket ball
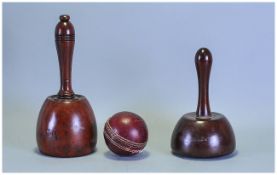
(125, 133)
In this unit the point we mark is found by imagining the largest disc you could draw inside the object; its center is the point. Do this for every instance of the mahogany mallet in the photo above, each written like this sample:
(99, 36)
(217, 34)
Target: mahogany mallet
(203, 133)
(66, 126)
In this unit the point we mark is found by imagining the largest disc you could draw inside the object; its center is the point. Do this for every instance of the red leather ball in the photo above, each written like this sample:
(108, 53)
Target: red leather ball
(125, 133)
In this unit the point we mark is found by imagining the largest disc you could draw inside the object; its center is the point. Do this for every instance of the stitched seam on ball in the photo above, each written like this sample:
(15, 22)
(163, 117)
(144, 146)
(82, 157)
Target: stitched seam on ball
(116, 138)
(115, 135)
(119, 146)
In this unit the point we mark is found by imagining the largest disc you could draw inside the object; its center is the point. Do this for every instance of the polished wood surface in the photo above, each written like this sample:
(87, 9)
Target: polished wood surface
(203, 137)
(203, 133)
(65, 40)
(66, 126)
(203, 64)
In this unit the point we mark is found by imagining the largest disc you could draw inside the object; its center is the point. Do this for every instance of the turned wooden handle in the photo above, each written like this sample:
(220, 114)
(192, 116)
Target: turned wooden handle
(203, 63)
(65, 39)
